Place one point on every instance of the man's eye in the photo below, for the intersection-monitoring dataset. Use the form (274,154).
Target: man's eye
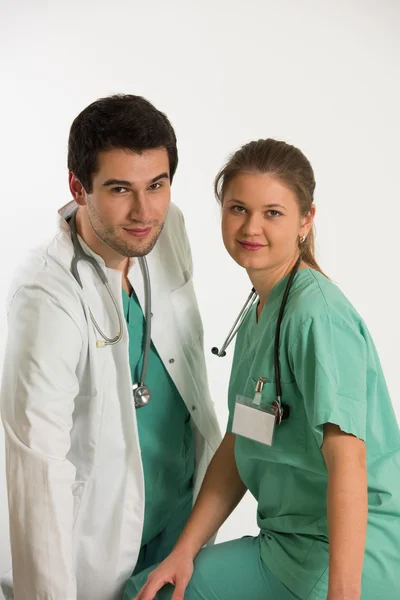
(155,186)
(118,190)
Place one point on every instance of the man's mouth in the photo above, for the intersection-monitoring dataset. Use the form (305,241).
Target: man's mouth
(138,232)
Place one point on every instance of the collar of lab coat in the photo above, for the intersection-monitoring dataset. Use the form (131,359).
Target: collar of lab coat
(64,214)
(158,277)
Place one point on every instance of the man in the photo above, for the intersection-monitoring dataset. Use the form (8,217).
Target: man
(98,488)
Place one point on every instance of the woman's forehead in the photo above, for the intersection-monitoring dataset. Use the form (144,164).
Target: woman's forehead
(259,188)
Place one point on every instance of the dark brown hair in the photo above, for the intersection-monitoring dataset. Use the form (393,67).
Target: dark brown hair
(286,163)
(120,121)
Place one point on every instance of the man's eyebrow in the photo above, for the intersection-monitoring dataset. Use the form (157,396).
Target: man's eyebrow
(125,183)
(161,176)
(120,182)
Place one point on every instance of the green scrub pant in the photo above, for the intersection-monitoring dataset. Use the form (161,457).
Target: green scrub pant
(161,546)
(229,571)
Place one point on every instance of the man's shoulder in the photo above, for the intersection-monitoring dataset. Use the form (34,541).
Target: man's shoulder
(172,251)
(45,266)
(174,231)
(175,217)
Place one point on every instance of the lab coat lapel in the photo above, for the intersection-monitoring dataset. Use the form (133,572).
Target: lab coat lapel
(164,334)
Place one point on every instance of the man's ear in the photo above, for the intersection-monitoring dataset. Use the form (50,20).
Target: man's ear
(77,190)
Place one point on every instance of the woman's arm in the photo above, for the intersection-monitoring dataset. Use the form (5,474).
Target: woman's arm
(220,493)
(347,505)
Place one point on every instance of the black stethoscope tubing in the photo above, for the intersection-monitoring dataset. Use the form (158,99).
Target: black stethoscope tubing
(283,409)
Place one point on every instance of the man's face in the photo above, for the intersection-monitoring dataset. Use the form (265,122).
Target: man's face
(130,198)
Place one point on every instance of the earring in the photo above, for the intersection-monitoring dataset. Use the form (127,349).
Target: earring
(302,239)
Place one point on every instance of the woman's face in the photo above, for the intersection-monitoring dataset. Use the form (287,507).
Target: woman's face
(261,222)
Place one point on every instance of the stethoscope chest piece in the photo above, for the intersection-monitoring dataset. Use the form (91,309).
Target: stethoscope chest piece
(282,411)
(141,394)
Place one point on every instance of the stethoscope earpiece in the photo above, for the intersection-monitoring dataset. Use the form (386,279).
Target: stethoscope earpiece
(217,352)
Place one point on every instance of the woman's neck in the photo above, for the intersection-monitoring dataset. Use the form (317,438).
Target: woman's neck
(264,280)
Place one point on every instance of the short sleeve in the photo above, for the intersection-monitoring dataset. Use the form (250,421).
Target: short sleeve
(329,361)
(230,419)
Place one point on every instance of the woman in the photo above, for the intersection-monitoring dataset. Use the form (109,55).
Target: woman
(328,488)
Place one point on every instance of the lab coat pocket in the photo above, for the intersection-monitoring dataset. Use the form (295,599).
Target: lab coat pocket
(187,315)
(290,434)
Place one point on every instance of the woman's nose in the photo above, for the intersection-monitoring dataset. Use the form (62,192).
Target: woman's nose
(253,225)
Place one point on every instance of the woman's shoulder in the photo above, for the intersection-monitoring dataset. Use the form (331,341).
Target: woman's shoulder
(317,297)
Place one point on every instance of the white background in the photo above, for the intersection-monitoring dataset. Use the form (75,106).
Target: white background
(323,75)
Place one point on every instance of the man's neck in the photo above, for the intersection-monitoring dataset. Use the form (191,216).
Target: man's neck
(126,284)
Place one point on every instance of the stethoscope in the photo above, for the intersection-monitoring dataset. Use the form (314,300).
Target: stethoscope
(141,393)
(283,410)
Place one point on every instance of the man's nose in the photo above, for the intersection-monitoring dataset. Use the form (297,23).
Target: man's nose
(140,208)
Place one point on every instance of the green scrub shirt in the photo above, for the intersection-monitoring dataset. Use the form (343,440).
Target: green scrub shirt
(165,432)
(330,373)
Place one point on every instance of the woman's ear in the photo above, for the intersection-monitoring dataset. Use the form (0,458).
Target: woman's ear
(307,222)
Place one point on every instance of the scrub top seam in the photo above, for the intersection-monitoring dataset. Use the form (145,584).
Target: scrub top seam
(309,596)
(385,454)
(333,319)
(300,334)
(312,273)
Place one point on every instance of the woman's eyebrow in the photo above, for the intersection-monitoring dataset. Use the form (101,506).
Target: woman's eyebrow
(271,205)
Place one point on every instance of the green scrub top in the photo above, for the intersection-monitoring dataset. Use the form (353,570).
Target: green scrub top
(330,373)
(165,431)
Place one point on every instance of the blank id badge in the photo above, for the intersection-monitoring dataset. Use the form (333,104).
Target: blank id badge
(253,420)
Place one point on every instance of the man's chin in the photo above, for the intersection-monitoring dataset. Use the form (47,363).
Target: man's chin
(138,248)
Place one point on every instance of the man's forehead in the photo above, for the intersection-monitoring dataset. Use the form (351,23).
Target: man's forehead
(132,166)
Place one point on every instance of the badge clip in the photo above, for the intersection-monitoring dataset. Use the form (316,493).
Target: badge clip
(258,390)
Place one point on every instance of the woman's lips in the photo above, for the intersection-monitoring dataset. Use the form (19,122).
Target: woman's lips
(138,233)
(251,246)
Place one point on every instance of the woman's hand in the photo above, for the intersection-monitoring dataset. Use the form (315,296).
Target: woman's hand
(176,569)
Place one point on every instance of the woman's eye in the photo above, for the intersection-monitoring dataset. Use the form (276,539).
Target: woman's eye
(238,209)
(273,213)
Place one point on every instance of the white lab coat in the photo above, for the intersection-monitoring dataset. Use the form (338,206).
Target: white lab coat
(74,470)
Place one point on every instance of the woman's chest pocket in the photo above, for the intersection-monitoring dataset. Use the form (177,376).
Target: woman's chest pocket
(289,437)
